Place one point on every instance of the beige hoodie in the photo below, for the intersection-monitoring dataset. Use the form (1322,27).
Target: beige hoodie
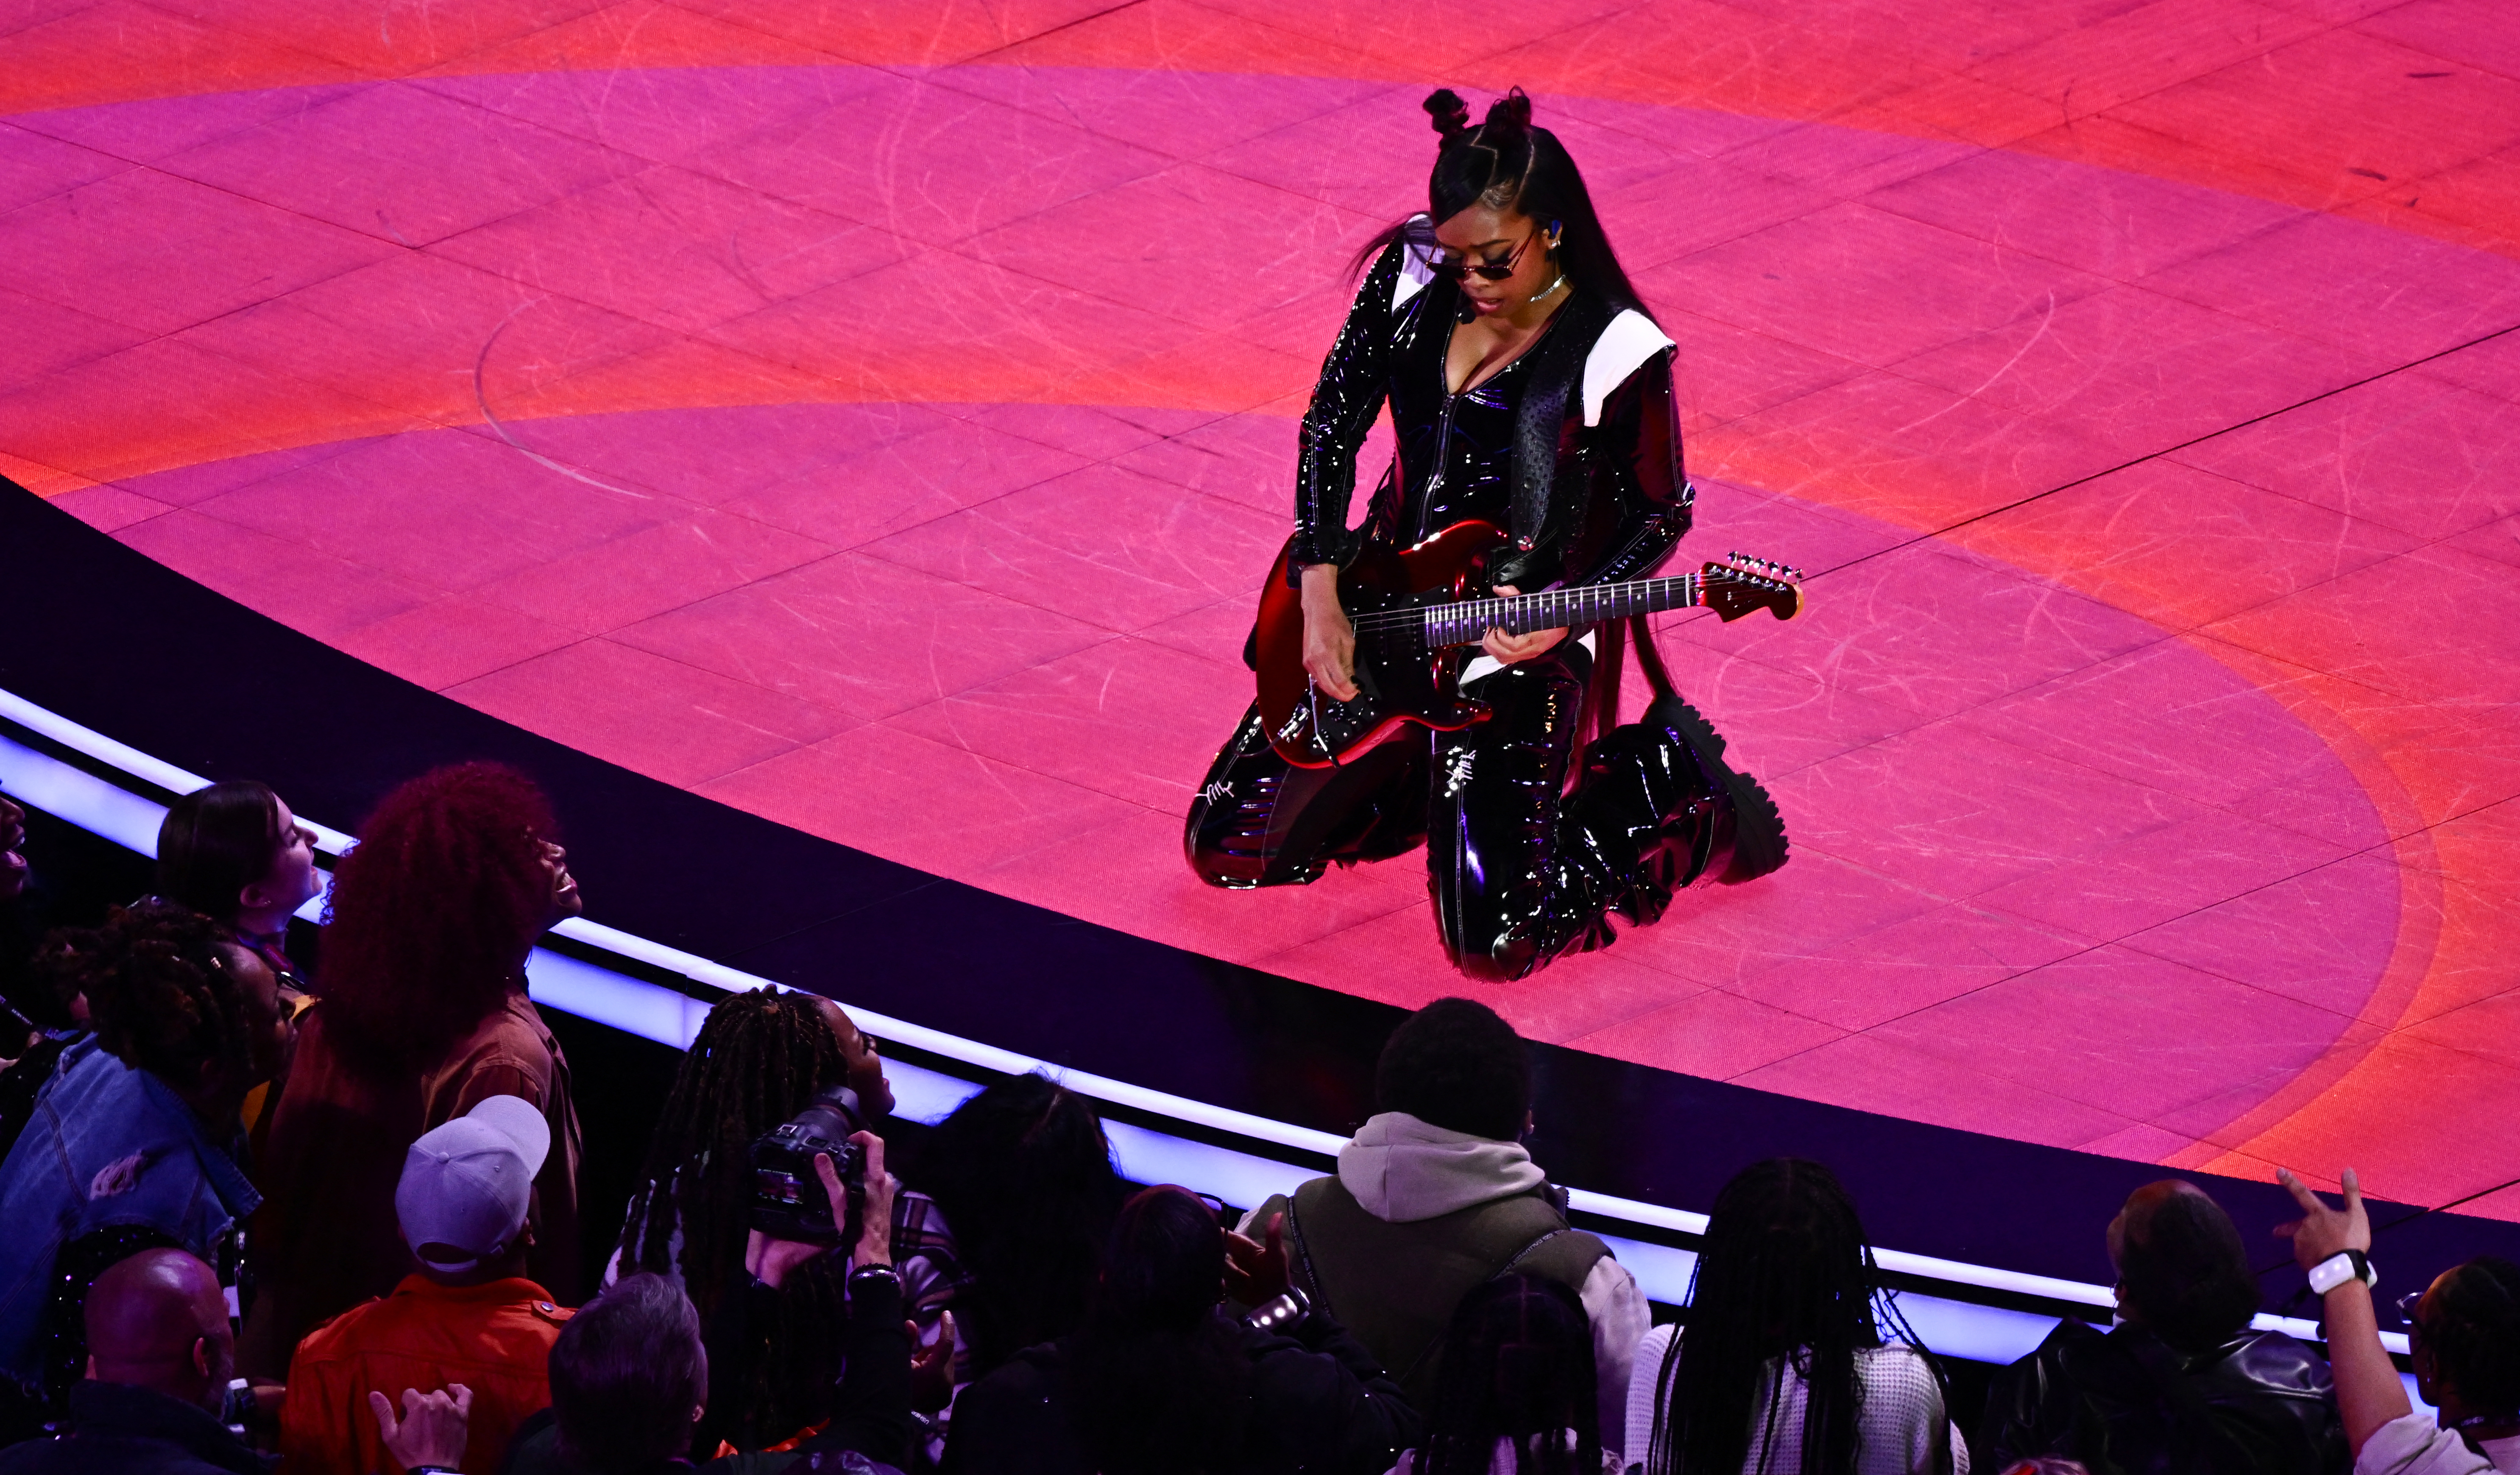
(1403,1170)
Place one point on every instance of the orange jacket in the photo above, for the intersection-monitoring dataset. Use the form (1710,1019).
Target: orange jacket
(494,1338)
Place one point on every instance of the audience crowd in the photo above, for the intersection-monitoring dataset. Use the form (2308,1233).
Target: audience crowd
(251,1217)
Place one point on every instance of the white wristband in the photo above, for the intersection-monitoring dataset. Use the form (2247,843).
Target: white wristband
(2339,1268)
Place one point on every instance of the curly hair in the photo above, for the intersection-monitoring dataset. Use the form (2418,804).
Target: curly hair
(1457,1065)
(432,914)
(161,992)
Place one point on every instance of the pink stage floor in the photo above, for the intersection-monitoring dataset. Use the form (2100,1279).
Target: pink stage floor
(879,419)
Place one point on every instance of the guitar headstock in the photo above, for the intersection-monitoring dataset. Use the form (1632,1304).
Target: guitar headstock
(1742,583)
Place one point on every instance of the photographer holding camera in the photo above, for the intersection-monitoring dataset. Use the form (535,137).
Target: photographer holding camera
(768,1068)
(847,1202)
(634,1383)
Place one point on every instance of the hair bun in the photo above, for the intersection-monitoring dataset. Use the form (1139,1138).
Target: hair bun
(1511,112)
(1449,112)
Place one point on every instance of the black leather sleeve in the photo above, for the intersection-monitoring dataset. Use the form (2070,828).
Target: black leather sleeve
(1346,399)
(1636,467)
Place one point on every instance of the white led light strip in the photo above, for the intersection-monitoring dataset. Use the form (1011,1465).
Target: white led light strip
(653,1011)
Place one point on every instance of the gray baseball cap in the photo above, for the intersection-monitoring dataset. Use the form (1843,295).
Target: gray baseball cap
(466,1186)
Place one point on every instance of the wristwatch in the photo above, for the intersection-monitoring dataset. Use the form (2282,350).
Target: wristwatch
(2341,1267)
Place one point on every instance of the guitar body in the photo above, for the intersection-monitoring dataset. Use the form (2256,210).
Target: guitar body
(1399,680)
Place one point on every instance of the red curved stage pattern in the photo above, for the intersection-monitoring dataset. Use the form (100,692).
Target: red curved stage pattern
(877,416)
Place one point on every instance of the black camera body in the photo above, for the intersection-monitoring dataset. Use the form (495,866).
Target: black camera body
(788,1197)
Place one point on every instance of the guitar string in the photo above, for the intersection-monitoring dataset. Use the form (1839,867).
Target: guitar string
(1583,604)
(1568,602)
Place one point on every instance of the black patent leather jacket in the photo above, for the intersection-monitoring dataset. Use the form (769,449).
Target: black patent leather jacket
(2125,1403)
(1590,503)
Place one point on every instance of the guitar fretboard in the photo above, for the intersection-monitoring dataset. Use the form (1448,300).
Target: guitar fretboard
(1464,623)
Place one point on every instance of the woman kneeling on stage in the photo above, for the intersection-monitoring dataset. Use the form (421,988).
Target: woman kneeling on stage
(1530,390)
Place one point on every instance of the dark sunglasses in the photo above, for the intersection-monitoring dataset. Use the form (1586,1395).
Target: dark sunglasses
(1451,267)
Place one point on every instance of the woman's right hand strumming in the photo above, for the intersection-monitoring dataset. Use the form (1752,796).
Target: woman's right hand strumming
(1329,640)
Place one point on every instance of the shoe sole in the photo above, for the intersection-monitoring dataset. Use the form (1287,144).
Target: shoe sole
(1759,844)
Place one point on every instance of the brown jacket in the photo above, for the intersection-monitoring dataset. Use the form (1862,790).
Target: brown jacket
(327,1238)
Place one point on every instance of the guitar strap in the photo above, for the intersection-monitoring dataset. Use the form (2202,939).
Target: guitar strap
(1607,663)
(1649,658)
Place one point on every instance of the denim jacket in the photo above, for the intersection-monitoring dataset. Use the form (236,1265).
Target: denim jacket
(109,1144)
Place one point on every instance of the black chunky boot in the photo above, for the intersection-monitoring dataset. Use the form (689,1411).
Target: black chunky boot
(1656,810)
(1741,837)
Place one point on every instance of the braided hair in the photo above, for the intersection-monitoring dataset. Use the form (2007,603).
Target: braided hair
(2474,1334)
(1785,1276)
(1506,163)
(1517,1365)
(758,1059)
(161,989)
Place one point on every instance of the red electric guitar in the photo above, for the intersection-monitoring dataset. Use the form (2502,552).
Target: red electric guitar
(1411,615)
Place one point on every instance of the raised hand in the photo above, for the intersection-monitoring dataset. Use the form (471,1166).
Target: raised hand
(2322,1232)
(432,1427)
(932,1367)
(1255,1271)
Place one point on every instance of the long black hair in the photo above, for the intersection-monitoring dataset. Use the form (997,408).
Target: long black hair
(1160,1379)
(1506,163)
(1025,1177)
(1785,1276)
(759,1058)
(1517,1365)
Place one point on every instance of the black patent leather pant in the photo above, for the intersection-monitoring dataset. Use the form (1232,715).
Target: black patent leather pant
(1484,801)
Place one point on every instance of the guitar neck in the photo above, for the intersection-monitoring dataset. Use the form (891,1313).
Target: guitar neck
(1465,622)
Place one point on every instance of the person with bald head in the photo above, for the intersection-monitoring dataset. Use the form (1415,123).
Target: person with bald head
(160,1357)
(2182,1385)
(136,1141)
